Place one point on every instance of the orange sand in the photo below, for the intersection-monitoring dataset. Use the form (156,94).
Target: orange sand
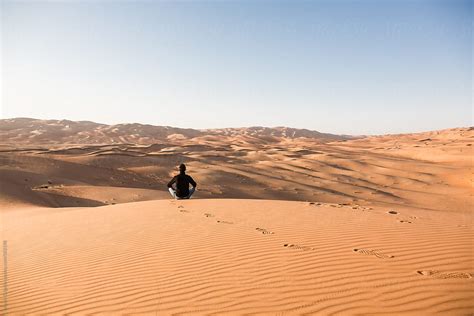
(341,226)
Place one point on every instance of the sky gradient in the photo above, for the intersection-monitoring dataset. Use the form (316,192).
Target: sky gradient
(349,67)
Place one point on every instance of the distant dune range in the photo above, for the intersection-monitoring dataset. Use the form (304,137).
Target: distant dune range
(285,221)
(26,130)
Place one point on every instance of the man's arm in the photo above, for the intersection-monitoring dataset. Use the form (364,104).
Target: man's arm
(170,184)
(193,183)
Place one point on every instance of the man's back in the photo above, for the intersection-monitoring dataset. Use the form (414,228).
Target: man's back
(182,181)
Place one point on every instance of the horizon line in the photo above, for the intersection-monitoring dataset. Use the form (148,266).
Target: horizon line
(239,127)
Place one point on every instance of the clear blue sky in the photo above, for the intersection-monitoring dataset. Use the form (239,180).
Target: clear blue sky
(354,67)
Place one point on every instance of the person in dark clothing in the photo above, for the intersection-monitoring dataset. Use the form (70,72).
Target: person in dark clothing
(182,182)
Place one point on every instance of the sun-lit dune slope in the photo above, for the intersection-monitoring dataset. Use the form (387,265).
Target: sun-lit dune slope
(427,170)
(232,257)
(450,145)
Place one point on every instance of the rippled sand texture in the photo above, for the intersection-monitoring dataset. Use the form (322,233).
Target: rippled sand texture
(236,257)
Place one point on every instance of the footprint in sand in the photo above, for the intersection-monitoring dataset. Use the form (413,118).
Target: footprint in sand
(299,247)
(208,215)
(180,206)
(445,275)
(360,208)
(264,231)
(376,253)
(225,222)
(184,211)
(404,221)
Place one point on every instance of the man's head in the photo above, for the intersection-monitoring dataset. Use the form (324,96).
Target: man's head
(182,167)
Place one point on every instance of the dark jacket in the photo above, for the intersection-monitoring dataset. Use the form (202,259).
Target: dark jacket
(182,181)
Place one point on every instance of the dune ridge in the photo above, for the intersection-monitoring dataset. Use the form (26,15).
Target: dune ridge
(28,130)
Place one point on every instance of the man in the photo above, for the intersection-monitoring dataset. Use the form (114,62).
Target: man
(182,182)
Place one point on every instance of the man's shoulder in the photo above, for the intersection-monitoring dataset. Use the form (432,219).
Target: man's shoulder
(191,180)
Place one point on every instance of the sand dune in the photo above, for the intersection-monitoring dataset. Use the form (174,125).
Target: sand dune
(237,257)
(394,170)
(285,221)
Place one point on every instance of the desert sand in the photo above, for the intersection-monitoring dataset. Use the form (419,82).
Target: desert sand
(285,221)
